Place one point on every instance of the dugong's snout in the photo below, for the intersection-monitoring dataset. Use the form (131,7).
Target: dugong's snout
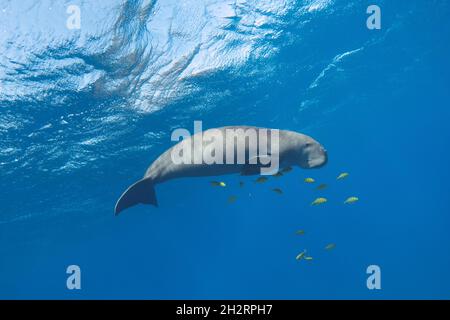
(319,159)
(314,155)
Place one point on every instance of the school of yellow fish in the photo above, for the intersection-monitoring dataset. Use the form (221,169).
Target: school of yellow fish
(316,202)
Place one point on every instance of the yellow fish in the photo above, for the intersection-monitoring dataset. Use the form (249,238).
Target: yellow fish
(343,175)
(300,255)
(351,200)
(232,199)
(278,190)
(322,186)
(300,232)
(286,170)
(261,180)
(308,258)
(330,246)
(278,174)
(309,180)
(218,184)
(319,201)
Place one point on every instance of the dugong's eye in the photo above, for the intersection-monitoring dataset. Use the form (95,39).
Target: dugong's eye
(307,144)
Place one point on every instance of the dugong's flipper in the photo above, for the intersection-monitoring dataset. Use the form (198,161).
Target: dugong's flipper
(142,191)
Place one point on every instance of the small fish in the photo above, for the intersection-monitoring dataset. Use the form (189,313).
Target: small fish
(309,180)
(351,200)
(241,184)
(218,184)
(343,175)
(300,255)
(232,199)
(319,201)
(308,258)
(330,246)
(278,190)
(286,170)
(261,180)
(278,174)
(300,232)
(322,186)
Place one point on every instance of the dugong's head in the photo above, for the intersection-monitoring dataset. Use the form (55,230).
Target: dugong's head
(310,153)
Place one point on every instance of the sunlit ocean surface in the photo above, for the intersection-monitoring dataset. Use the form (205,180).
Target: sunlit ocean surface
(83,113)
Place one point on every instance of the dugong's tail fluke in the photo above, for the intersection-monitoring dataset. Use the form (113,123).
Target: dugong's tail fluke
(142,191)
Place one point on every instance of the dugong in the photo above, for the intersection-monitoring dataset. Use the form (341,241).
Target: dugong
(225,150)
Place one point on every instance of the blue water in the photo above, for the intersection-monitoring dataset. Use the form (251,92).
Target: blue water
(84,112)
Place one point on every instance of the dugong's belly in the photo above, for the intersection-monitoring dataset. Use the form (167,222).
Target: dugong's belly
(193,170)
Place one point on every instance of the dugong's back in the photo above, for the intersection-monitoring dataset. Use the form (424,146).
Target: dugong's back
(202,159)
